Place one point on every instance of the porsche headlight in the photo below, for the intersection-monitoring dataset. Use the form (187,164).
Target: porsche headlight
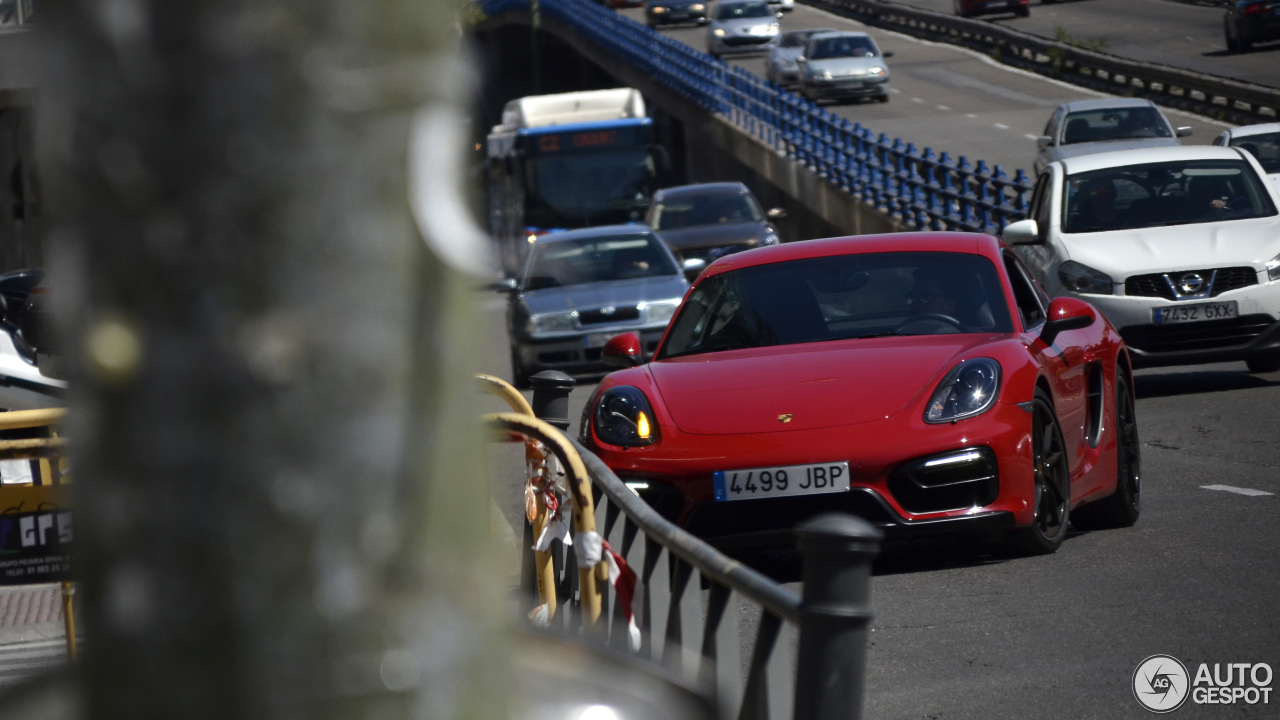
(658,312)
(623,417)
(1273,268)
(553,323)
(969,389)
(1084,279)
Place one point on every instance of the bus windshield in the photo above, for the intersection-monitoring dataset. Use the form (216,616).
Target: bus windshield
(598,188)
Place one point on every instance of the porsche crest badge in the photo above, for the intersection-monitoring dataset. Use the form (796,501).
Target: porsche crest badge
(784,418)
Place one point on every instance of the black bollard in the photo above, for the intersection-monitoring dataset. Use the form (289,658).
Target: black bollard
(551,390)
(835,611)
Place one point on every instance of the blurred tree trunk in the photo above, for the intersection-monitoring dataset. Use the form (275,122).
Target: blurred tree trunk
(277,510)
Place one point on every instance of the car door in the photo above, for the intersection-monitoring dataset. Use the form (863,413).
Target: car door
(1063,362)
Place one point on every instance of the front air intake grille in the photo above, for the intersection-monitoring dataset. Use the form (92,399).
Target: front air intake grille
(615,315)
(1158,284)
(1186,337)
(959,479)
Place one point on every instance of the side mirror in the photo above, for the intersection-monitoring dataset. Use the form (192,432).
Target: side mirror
(801,60)
(779,14)
(693,267)
(1067,313)
(1043,141)
(1185,131)
(505,285)
(776,213)
(888,54)
(1022,232)
(622,351)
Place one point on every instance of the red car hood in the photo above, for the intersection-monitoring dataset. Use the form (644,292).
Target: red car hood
(819,385)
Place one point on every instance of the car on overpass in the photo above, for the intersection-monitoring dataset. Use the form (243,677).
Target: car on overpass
(843,66)
(973,8)
(1262,141)
(707,221)
(742,26)
(579,288)
(1178,246)
(780,66)
(1250,21)
(1104,125)
(919,380)
(675,12)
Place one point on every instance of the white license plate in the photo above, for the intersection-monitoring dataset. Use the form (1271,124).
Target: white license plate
(781,481)
(1194,313)
(595,340)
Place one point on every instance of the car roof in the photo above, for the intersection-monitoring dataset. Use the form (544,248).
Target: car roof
(1104,103)
(839,33)
(1141,156)
(593,233)
(1247,130)
(956,242)
(702,189)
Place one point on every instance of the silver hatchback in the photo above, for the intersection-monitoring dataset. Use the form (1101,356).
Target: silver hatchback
(742,26)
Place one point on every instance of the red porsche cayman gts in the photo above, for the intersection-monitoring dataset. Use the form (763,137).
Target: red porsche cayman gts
(921,381)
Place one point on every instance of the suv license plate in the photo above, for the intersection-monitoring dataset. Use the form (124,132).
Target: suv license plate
(781,481)
(1194,313)
(595,340)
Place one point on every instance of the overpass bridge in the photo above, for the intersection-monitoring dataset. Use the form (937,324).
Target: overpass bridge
(826,165)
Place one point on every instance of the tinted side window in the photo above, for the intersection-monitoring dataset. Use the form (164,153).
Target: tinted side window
(1025,294)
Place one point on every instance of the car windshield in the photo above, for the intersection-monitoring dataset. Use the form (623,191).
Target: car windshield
(1159,194)
(576,262)
(1265,147)
(705,210)
(842,47)
(840,298)
(733,11)
(795,38)
(1114,124)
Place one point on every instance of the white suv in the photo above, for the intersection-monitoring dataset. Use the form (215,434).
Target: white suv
(1178,246)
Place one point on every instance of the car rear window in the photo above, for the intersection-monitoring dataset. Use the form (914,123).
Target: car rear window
(1265,147)
(837,298)
(1114,124)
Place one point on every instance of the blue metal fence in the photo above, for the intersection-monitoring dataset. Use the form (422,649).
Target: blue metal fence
(918,188)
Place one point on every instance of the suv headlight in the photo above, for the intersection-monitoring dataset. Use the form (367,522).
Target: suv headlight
(623,417)
(658,312)
(553,323)
(1084,279)
(969,389)
(1273,268)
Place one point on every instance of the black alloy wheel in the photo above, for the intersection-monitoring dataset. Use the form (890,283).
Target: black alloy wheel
(1052,491)
(1121,508)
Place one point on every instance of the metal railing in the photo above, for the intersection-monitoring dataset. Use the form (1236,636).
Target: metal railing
(916,187)
(806,656)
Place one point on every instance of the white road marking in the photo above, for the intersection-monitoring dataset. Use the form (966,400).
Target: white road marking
(1029,136)
(1002,126)
(1239,491)
(916,100)
(943,108)
(970,115)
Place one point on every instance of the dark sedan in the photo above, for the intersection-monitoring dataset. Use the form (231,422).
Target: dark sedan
(707,221)
(581,287)
(675,12)
(1251,21)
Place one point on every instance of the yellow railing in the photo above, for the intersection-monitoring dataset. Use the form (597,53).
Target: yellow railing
(47,488)
(543,440)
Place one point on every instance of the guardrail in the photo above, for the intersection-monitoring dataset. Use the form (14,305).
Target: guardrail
(1231,100)
(657,611)
(916,187)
